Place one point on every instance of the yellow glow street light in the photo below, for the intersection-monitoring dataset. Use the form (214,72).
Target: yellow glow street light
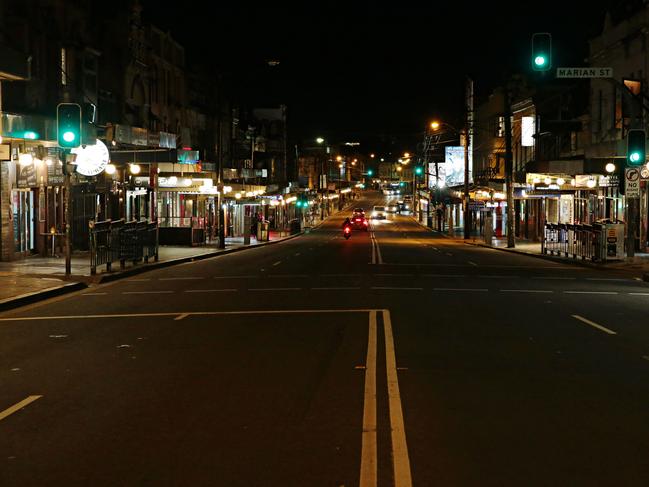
(406,155)
(372,156)
(398,168)
(339,158)
(434,125)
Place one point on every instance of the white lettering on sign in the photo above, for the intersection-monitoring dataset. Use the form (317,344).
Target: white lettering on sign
(584,72)
(91,159)
(632,183)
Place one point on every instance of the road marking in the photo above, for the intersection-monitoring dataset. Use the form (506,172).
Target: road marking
(94,294)
(190,313)
(340,275)
(524,291)
(211,290)
(593,324)
(287,276)
(368,444)
(606,279)
(275,289)
(400,459)
(148,292)
(639,294)
(181,317)
(235,277)
(179,278)
(277,263)
(556,278)
(392,275)
(472,263)
(138,280)
(443,275)
(590,292)
(334,288)
(451,255)
(18,406)
(458,289)
(398,288)
(498,277)
(297,254)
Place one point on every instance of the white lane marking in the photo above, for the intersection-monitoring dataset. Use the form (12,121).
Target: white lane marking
(443,275)
(340,275)
(450,254)
(148,292)
(180,278)
(297,254)
(58,336)
(368,443)
(181,317)
(400,459)
(593,324)
(277,263)
(524,291)
(94,294)
(334,288)
(590,292)
(190,313)
(458,289)
(275,289)
(472,263)
(607,279)
(555,278)
(138,280)
(288,276)
(497,277)
(392,275)
(639,294)
(235,277)
(398,288)
(211,290)
(18,406)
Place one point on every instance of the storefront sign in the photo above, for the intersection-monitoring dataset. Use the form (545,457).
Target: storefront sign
(91,159)
(26,175)
(5,152)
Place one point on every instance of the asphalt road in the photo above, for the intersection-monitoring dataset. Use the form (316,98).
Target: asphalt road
(398,357)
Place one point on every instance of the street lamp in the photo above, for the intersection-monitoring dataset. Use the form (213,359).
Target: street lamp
(319,140)
(435,125)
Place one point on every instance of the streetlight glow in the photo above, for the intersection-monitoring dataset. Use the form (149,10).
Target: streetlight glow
(319,140)
(434,125)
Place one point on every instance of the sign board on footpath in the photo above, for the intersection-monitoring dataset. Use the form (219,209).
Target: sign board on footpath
(632,182)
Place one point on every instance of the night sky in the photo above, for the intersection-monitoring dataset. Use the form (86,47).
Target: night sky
(365,71)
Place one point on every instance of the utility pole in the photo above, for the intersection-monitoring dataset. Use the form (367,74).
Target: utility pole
(220,212)
(509,168)
(467,140)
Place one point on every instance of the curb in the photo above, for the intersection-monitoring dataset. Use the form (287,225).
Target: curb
(33,297)
(104,278)
(441,234)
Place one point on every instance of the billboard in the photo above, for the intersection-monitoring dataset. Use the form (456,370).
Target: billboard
(436,174)
(455,166)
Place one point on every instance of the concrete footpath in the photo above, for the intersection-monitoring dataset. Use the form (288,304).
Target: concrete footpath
(37,278)
(638,267)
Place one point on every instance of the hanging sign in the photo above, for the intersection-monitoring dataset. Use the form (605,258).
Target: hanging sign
(91,159)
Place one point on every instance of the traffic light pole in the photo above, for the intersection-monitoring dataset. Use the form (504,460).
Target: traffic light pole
(67,199)
(509,170)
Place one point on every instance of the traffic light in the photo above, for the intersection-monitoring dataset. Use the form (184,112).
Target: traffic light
(68,124)
(542,51)
(370,172)
(635,147)
(419,170)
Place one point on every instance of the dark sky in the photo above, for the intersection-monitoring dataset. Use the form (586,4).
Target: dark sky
(362,70)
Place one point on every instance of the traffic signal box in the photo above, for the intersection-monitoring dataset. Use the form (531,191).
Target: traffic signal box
(419,170)
(68,124)
(542,51)
(635,147)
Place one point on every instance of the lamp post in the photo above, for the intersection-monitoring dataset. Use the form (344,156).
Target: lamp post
(435,126)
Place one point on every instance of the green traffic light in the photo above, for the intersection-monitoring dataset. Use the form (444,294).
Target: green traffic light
(370,172)
(540,60)
(69,136)
(634,157)
(418,170)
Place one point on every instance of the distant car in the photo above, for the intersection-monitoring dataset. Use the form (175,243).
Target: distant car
(378,213)
(360,222)
(358,211)
(392,207)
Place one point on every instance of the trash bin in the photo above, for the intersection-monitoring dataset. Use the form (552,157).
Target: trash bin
(295,226)
(263,231)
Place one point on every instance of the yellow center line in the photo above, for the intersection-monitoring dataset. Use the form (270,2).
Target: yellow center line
(18,406)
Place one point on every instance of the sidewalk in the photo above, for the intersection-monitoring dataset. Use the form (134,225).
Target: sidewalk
(36,278)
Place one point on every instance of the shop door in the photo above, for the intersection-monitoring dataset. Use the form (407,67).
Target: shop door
(84,209)
(23,216)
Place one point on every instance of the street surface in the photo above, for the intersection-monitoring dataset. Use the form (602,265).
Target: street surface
(398,357)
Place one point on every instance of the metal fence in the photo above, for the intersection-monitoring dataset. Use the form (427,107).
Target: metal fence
(572,240)
(120,241)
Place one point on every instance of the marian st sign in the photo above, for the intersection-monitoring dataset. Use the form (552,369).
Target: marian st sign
(585,72)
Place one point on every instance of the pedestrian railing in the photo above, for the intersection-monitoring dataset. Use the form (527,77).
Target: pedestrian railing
(572,240)
(120,241)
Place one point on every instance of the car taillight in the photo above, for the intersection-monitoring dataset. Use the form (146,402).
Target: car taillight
(365,223)
(347,230)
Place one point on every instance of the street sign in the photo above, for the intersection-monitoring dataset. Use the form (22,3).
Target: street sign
(632,182)
(584,72)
